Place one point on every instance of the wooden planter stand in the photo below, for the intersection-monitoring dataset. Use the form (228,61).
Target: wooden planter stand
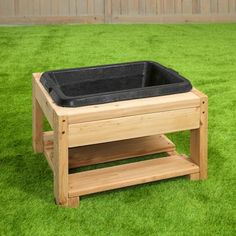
(114,131)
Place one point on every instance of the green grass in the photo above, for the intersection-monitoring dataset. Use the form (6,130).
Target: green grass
(206,54)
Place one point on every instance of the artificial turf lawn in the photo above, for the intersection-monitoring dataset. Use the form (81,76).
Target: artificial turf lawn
(206,54)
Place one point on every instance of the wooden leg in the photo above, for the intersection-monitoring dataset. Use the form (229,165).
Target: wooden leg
(73,202)
(198,140)
(194,176)
(37,124)
(61,170)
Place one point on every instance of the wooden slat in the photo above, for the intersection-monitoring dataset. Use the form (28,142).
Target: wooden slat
(124,7)
(169,6)
(176,18)
(72,7)
(214,6)
(45,8)
(223,6)
(196,6)
(7,8)
(131,107)
(178,7)
(91,9)
(151,7)
(35,8)
(83,19)
(82,8)
(108,11)
(99,180)
(16,8)
(121,19)
(160,7)
(187,6)
(63,8)
(105,152)
(55,8)
(99,7)
(116,8)
(23,8)
(119,150)
(205,7)
(133,6)
(132,126)
(232,6)
(142,7)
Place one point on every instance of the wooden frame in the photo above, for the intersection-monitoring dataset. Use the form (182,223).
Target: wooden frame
(114,131)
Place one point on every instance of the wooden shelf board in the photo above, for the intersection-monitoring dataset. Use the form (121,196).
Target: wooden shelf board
(99,180)
(118,150)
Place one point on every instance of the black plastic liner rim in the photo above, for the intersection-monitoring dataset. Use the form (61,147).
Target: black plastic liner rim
(128,94)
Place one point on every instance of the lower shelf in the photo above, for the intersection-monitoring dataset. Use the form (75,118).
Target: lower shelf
(99,180)
(106,152)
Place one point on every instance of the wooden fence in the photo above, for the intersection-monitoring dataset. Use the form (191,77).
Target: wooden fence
(116,11)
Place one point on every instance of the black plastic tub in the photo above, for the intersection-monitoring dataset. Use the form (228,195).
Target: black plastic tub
(110,83)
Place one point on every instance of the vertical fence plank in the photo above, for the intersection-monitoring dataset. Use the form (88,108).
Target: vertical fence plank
(178,6)
(82,8)
(196,7)
(133,7)
(169,6)
(232,6)
(55,8)
(63,9)
(36,7)
(45,7)
(151,7)
(116,8)
(160,7)
(205,7)
(142,7)
(90,7)
(7,8)
(72,7)
(23,8)
(214,6)
(99,7)
(187,6)
(223,6)
(124,7)
(32,10)
(108,11)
